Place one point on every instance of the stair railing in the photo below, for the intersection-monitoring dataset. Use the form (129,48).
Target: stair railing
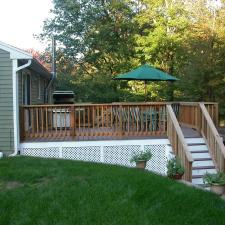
(212,137)
(178,143)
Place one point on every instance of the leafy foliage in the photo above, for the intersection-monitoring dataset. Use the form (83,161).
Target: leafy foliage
(213,179)
(98,39)
(174,167)
(142,156)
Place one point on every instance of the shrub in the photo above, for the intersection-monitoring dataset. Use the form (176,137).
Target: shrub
(174,167)
(142,156)
(214,178)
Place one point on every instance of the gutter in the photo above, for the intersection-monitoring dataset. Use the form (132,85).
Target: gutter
(15,103)
(53,71)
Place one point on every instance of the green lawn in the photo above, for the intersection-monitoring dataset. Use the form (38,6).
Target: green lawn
(57,192)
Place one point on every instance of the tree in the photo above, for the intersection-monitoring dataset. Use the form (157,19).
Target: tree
(204,73)
(95,36)
(163,33)
(98,39)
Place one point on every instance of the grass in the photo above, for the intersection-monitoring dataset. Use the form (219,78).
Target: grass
(57,192)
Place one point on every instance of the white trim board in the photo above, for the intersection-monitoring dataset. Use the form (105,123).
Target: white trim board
(15,53)
(94,143)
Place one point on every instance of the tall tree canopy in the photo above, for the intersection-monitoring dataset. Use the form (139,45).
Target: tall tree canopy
(98,39)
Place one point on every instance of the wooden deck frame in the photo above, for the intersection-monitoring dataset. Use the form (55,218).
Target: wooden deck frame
(72,122)
(125,121)
(120,120)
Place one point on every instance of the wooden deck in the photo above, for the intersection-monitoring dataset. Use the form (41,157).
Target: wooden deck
(190,132)
(92,122)
(187,132)
(127,121)
(89,134)
(115,121)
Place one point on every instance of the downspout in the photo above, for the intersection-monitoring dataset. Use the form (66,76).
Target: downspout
(53,71)
(16,69)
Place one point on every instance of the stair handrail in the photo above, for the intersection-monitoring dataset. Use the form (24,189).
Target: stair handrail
(178,143)
(212,138)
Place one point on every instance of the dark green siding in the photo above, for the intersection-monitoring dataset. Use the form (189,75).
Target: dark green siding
(6,103)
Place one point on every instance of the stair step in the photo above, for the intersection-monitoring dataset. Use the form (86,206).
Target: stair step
(202,159)
(199,151)
(194,140)
(201,172)
(203,167)
(197,181)
(196,176)
(198,147)
(203,163)
(194,144)
(201,155)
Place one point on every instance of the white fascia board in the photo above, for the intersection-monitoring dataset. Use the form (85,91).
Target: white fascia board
(94,143)
(15,53)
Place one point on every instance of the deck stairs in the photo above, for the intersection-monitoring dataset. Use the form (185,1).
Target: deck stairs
(202,159)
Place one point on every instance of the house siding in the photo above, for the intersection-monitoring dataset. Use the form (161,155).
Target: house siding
(6,104)
(35,98)
(34,77)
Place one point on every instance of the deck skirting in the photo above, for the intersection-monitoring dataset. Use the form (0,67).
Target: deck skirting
(118,152)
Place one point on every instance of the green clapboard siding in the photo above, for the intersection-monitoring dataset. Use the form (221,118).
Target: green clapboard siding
(35,78)
(6,103)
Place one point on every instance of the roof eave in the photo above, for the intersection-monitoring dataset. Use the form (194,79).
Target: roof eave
(15,53)
(41,69)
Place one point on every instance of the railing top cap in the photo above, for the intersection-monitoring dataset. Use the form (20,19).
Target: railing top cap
(118,104)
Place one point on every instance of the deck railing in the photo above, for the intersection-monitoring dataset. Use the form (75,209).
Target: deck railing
(204,118)
(190,114)
(178,143)
(92,120)
(212,137)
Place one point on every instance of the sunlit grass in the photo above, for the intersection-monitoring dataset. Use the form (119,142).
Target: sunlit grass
(59,192)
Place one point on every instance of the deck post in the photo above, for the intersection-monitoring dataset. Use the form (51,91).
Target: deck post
(199,119)
(216,121)
(72,121)
(121,120)
(22,124)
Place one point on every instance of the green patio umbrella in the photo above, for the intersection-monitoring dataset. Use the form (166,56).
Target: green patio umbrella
(146,73)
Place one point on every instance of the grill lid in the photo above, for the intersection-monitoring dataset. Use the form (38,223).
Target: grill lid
(63,97)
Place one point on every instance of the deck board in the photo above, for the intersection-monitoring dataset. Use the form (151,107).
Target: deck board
(188,132)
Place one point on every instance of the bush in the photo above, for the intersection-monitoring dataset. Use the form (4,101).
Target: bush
(174,167)
(215,178)
(142,156)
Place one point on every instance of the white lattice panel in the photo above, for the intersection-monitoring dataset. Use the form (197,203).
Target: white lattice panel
(119,154)
(52,152)
(159,158)
(88,153)
(111,152)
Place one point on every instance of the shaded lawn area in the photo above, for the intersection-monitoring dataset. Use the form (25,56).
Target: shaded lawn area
(37,191)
